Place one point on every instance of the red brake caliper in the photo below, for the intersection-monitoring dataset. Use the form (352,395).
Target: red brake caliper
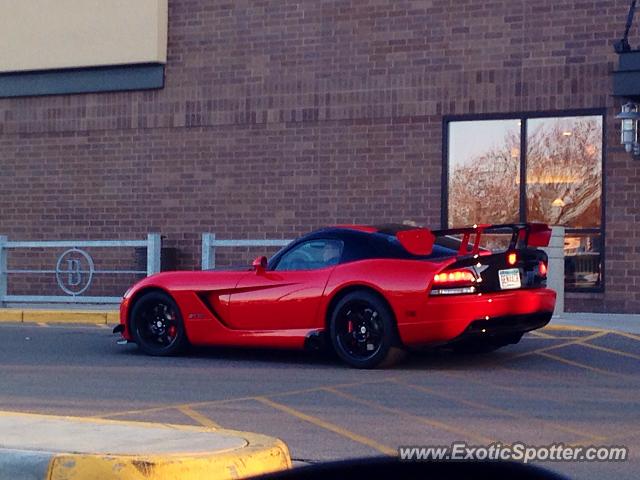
(172,331)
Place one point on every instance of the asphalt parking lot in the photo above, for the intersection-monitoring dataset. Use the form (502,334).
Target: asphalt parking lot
(576,386)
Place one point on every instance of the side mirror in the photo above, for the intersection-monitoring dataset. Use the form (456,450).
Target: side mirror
(260,264)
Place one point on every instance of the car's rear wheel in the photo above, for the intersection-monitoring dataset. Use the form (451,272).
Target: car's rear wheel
(363,331)
(157,326)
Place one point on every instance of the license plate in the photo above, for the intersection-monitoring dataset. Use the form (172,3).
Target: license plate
(509,278)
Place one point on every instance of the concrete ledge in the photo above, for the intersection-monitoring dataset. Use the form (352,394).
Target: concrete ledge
(69,448)
(15,315)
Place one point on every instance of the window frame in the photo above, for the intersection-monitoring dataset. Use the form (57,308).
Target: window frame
(524,117)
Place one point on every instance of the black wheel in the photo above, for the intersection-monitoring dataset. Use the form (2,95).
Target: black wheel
(157,326)
(363,331)
(487,345)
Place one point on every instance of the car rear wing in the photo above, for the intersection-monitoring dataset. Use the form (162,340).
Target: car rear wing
(522,235)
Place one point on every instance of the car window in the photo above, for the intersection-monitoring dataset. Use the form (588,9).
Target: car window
(311,255)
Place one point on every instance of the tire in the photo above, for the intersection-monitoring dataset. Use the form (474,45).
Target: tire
(156,325)
(363,331)
(478,347)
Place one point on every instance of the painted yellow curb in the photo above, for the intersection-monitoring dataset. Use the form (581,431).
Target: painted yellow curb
(14,315)
(10,315)
(113,317)
(262,454)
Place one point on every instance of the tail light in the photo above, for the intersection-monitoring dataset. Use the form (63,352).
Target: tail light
(512,258)
(542,269)
(454,282)
(455,277)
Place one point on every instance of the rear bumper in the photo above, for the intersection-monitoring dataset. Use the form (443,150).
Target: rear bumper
(505,325)
(445,319)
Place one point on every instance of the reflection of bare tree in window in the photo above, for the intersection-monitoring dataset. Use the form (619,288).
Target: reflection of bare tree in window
(564,172)
(563,177)
(486,189)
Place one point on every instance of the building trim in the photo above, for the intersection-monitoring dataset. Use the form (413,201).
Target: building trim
(82,80)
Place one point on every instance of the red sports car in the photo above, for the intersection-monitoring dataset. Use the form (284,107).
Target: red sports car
(369,292)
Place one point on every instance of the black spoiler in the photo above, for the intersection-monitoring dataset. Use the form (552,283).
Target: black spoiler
(529,234)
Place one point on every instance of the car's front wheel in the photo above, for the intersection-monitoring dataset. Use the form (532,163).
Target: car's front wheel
(157,326)
(363,331)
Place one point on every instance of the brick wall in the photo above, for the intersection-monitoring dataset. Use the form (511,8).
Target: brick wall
(281,116)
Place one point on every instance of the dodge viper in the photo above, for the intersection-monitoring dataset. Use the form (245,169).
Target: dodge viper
(370,293)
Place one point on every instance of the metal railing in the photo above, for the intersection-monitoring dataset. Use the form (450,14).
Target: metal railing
(77,277)
(210,244)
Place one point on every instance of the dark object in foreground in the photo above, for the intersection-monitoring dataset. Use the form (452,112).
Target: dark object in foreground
(393,468)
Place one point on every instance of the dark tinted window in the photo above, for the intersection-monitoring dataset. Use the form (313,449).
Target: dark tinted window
(311,255)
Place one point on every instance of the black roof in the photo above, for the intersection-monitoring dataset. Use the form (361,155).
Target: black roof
(367,242)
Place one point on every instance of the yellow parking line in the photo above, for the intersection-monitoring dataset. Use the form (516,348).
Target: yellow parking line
(563,337)
(329,426)
(561,345)
(576,328)
(568,328)
(235,399)
(497,386)
(100,421)
(540,334)
(198,417)
(502,411)
(627,335)
(610,438)
(611,350)
(618,436)
(583,366)
(416,418)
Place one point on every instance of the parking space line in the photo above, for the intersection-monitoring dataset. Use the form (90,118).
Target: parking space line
(540,334)
(235,399)
(328,426)
(583,366)
(621,435)
(576,328)
(42,324)
(561,345)
(610,438)
(627,335)
(416,418)
(563,337)
(198,417)
(498,386)
(611,350)
(502,411)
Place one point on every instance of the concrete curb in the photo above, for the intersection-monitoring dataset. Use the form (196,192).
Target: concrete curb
(237,454)
(629,323)
(102,317)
